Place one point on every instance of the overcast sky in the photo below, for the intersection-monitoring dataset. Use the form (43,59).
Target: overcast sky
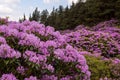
(14,9)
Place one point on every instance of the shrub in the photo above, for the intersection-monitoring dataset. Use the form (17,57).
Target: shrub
(103,39)
(99,68)
(29,50)
(115,69)
(3,21)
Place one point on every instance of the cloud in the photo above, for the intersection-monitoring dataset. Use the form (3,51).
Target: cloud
(70,1)
(7,7)
(50,1)
(54,1)
(11,1)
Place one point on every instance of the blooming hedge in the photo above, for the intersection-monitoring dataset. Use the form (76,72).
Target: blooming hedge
(32,51)
(103,39)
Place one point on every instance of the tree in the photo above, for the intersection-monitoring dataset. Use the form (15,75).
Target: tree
(44,16)
(30,17)
(51,20)
(23,19)
(35,15)
(99,10)
(59,18)
(117,9)
(88,13)
(65,21)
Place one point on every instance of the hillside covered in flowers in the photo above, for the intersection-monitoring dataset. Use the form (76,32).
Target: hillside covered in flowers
(33,51)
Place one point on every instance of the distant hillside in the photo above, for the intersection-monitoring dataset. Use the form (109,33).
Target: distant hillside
(88,13)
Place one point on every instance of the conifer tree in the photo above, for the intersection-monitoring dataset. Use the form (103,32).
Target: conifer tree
(44,16)
(35,15)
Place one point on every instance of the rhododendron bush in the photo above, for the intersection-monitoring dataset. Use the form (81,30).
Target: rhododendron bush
(32,51)
(103,39)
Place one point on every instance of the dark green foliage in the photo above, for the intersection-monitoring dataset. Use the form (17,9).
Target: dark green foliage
(35,15)
(99,10)
(23,19)
(44,16)
(117,9)
(88,13)
(51,18)
(3,21)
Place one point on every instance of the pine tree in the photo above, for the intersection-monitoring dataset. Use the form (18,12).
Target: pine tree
(51,20)
(88,13)
(60,18)
(44,16)
(24,17)
(117,10)
(35,15)
(65,21)
(30,17)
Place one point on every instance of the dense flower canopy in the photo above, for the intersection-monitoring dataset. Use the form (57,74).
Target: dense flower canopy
(102,39)
(35,51)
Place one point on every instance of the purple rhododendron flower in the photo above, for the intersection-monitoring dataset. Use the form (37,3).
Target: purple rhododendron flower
(8,77)
(31,78)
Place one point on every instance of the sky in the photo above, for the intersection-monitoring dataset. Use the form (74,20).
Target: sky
(14,9)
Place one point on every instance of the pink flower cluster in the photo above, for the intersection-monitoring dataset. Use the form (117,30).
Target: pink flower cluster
(39,49)
(102,39)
